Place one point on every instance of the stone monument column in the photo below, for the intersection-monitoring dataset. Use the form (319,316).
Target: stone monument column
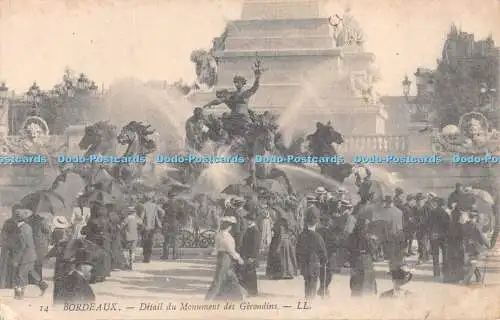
(308,77)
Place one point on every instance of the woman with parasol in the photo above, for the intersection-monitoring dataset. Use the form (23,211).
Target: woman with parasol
(225,285)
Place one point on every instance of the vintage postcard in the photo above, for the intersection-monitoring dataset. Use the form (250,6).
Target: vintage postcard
(249,159)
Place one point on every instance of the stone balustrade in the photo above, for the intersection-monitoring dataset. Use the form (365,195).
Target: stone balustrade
(373,144)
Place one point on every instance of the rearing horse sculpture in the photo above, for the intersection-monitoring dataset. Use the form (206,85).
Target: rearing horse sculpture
(320,144)
(136,136)
(99,139)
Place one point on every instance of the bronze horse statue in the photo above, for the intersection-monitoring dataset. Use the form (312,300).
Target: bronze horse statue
(100,139)
(320,144)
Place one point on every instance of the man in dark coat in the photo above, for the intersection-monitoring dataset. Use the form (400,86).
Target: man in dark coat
(455,196)
(96,232)
(409,223)
(41,238)
(249,252)
(311,252)
(76,287)
(332,239)
(422,213)
(439,222)
(25,257)
(170,226)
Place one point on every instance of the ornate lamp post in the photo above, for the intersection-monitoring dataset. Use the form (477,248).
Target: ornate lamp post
(34,96)
(4,92)
(93,88)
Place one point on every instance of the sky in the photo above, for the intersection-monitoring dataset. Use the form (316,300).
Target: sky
(152,39)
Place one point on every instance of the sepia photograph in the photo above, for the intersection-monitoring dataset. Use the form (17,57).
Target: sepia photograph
(249,159)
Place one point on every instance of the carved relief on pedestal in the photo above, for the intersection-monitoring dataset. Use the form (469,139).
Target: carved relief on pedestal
(361,84)
(35,138)
(471,136)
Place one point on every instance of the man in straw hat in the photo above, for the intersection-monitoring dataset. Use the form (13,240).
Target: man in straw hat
(25,256)
(311,253)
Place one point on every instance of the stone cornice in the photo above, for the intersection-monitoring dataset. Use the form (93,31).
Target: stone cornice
(281,53)
(279,21)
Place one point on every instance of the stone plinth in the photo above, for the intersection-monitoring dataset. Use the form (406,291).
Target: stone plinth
(307,74)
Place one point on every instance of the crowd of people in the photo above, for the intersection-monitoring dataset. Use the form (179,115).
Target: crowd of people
(317,236)
(330,233)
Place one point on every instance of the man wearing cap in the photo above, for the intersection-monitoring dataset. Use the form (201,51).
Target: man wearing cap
(25,256)
(311,253)
(249,252)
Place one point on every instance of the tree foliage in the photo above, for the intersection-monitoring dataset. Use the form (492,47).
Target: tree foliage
(464,69)
(70,102)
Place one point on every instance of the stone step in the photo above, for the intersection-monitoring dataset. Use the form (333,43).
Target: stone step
(270,28)
(279,43)
(279,9)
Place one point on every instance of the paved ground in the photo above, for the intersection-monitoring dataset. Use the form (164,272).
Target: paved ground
(185,281)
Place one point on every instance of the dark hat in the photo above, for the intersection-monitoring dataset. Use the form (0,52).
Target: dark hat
(399,191)
(82,257)
(312,216)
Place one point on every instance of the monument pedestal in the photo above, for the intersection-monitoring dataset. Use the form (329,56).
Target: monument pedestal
(307,75)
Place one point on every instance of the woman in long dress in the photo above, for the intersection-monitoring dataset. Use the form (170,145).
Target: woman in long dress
(225,285)
(362,247)
(281,261)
